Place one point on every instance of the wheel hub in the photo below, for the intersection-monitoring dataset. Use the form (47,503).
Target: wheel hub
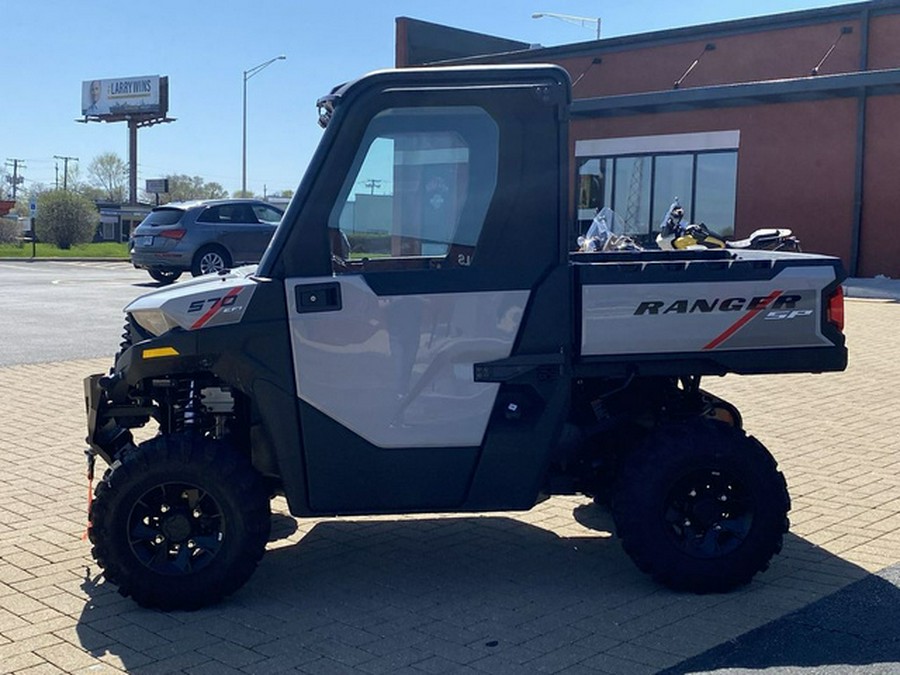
(175,529)
(707,513)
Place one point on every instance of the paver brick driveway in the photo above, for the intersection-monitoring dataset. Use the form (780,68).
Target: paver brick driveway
(545,591)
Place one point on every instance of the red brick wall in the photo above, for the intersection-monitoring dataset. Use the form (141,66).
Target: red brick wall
(766,55)
(795,163)
(880,238)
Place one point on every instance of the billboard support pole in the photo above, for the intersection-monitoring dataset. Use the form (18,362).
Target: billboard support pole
(132,161)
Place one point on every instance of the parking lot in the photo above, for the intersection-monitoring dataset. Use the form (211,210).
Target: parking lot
(545,591)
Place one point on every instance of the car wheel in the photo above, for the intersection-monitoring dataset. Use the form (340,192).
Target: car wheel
(210,259)
(165,276)
(179,522)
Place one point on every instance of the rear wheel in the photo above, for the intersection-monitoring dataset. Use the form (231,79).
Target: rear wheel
(701,507)
(165,276)
(180,522)
(210,259)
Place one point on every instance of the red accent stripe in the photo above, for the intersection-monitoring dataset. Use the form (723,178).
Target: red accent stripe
(743,320)
(199,323)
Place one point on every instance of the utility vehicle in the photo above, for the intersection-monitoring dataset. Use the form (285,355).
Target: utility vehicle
(476,363)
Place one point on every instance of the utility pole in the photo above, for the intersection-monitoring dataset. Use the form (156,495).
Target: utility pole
(65,160)
(15,164)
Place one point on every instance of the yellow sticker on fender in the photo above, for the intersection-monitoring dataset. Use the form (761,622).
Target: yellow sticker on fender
(158,352)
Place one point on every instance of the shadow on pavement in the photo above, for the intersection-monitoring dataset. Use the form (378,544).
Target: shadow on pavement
(857,626)
(495,594)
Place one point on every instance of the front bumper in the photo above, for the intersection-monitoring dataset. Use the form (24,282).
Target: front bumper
(105,436)
(114,404)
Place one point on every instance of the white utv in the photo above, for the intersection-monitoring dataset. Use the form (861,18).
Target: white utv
(465,361)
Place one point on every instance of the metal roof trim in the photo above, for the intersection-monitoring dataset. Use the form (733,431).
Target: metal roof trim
(741,94)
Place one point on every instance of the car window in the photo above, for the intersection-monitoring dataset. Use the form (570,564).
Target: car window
(211,215)
(163,217)
(227,213)
(267,214)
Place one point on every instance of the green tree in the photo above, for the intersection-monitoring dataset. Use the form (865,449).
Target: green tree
(184,188)
(65,218)
(109,173)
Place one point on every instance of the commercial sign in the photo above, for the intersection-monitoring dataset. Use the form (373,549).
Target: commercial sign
(156,185)
(122,96)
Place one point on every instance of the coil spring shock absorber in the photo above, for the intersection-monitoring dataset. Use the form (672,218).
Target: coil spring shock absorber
(186,407)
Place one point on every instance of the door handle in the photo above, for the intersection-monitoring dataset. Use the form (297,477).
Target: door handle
(318,297)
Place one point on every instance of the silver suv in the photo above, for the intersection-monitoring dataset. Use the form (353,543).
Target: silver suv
(202,236)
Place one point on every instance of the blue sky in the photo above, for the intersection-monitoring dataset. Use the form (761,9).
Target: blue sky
(50,46)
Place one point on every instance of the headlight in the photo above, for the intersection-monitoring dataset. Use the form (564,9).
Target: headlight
(153,320)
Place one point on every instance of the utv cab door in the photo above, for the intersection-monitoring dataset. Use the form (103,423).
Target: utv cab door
(425,240)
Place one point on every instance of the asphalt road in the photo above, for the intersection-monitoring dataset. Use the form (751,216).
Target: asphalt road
(56,311)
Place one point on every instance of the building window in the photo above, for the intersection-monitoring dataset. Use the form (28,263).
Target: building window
(699,169)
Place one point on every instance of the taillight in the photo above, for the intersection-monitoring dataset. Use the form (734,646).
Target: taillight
(172,234)
(836,308)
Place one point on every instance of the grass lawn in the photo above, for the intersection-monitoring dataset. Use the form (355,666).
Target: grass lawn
(105,249)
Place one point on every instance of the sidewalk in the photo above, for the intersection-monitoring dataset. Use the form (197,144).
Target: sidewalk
(547,591)
(881,288)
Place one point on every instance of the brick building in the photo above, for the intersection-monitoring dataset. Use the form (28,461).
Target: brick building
(785,120)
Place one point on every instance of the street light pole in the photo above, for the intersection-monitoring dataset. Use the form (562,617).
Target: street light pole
(579,20)
(247,75)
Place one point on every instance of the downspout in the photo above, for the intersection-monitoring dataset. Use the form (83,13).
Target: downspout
(858,183)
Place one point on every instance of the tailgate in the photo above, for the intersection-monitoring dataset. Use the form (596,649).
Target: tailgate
(755,312)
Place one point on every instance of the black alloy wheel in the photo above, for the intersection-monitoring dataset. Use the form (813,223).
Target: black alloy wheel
(700,506)
(176,528)
(180,522)
(708,513)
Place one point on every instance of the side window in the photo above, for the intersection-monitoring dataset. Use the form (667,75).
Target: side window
(210,215)
(238,213)
(266,214)
(418,190)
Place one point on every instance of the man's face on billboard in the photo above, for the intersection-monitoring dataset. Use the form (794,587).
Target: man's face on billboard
(95,91)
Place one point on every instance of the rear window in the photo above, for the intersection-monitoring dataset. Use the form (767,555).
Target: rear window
(163,217)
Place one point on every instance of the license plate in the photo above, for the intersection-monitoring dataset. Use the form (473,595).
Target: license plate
(144,241)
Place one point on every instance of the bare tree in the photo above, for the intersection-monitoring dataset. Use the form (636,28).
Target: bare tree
(109,173)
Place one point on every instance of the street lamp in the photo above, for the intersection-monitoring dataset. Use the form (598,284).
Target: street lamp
(247,75)
(578,20)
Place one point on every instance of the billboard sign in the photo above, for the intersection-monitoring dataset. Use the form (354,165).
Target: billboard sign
(122,96)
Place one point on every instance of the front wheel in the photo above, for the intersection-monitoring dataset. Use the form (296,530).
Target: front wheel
(180,522)
(210,259)
(701,507)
